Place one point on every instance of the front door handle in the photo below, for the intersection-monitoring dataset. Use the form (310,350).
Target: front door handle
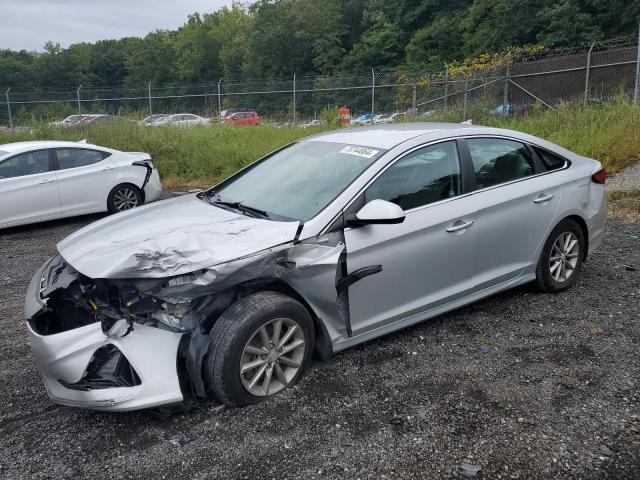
(106,169)
(543,198)
(46,180)
(462,226)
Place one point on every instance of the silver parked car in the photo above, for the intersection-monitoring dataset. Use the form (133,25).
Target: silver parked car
(327,243)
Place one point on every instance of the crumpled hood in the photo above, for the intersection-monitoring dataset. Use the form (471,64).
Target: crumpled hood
(170,237)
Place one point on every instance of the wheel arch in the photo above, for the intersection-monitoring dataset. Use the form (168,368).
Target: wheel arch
(585,232)
(323,348)
(125,182)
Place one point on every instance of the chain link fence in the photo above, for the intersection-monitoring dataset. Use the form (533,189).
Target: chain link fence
(588,74)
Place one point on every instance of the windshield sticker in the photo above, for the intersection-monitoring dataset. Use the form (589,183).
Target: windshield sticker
(365,152)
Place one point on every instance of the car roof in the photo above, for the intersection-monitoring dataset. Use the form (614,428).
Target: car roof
(385,136)
(32,145)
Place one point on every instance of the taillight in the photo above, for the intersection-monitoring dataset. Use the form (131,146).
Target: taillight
(600,176)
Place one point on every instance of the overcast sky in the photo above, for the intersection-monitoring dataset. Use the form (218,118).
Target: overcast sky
(28,24)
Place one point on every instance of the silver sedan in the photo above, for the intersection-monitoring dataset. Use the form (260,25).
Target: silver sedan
(327,243)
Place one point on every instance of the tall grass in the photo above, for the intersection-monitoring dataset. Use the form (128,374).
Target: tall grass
(206,154)
(609,133)
(200,155)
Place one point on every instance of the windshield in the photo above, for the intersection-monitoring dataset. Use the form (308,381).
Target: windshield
(299,181)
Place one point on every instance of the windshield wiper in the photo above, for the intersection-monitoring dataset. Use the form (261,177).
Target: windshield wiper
(239,206)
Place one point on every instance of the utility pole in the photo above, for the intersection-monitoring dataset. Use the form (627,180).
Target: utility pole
(9,107)
(505,94)
(373,92)
(637,85)
(585,101)
(219,99)
(294,98)
(78,99)
(446,87)
(149,94)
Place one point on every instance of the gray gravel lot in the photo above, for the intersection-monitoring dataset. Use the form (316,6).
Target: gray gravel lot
(522,385)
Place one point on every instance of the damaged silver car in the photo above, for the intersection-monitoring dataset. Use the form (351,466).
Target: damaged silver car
(331,241)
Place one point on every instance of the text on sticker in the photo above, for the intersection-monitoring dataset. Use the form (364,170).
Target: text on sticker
(365,152)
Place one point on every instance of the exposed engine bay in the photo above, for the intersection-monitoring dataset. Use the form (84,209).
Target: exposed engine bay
(185,305)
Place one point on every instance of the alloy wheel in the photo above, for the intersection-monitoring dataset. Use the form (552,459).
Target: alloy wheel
(125,198)
(272,357)
(564,257)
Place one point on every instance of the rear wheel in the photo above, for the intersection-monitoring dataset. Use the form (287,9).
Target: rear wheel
(124,197)
(259,346)
(561,257)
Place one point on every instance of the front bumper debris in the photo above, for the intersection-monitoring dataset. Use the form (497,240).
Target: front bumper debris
(84,367)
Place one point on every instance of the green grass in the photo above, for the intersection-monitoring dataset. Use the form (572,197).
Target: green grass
(609,133)
(196,156)
(201,156)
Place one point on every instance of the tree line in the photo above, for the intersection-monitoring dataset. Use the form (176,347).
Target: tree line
(277,38)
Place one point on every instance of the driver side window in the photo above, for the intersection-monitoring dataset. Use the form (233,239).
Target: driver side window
(424,176)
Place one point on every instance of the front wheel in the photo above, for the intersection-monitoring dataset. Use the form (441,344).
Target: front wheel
(561,257)
(259,346)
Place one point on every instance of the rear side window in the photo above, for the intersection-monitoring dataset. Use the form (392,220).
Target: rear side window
(78,157)
(424,176)
(550,160)
(497,161)
(23,164)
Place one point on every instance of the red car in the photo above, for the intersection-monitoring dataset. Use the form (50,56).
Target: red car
(242,118)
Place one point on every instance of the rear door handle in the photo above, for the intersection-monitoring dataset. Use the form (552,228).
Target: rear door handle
(543,198)
(46,180)
(462,226)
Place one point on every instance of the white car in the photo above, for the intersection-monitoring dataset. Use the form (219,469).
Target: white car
(181,120)
(44,180)
(68,122)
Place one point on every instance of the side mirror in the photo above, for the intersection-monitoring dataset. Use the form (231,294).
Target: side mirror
(377,212)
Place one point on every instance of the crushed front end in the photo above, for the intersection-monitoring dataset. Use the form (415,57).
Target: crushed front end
(105,344)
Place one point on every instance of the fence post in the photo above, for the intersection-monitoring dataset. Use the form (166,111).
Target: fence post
(637,85)
(219,99)
(149,95)
(413,103)
(373,92)
(505,93)
(464,109)
(586,78)
(294,98)
(9,107)
(78,99)
(446,87)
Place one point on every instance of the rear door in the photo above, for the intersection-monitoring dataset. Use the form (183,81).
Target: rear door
(28,189)
(516,205)
(85,177)
(425,261)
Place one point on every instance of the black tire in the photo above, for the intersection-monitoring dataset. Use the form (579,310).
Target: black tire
(232,332)
(127,189)
(545,281)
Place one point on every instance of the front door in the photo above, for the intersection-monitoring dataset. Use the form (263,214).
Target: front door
(28,189)
(428,259)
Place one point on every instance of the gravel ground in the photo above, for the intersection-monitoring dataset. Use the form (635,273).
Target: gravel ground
(627,179)
(521,385)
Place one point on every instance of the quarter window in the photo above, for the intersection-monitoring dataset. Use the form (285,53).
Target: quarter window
(550,161)
(497,161)
(425,176)
(25,164)
(78,157)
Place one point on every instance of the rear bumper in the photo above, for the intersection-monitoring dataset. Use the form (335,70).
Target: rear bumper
(153,188)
